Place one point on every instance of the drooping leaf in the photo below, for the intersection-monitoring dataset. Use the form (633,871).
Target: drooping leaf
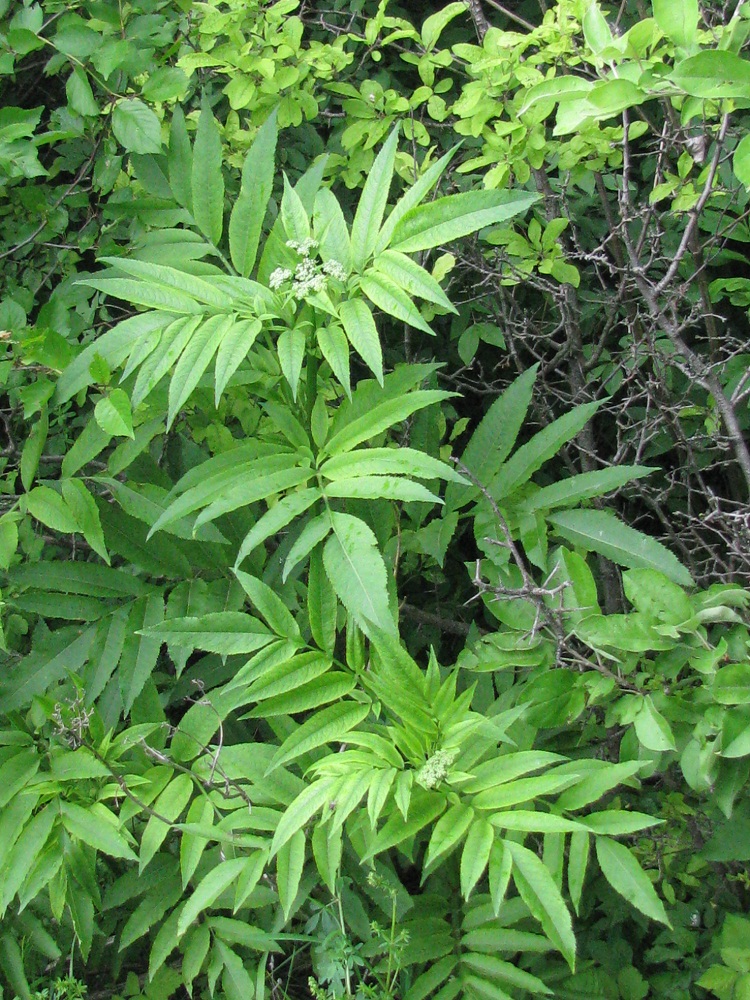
(327,726)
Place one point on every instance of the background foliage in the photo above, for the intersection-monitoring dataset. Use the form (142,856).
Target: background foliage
(373,499)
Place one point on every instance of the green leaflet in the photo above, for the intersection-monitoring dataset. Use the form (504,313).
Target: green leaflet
(372,202)
(382,416)
(538,890)
(327,726)
(446,219)
(208,891)
(223,632)
(600,531)
(207,182)
(247,215)
(627,878)
(393,300)
(357,572)
(360,328)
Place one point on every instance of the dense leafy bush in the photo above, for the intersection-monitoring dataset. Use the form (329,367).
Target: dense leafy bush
(373,489)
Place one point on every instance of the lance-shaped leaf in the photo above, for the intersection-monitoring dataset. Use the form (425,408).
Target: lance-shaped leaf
(235,344)
(600,531)
(446,219)
(327,726)
(393,300)
(363,334)
(180,160)
(357,572)
(625,875)
(388,461)
(207,179)
(255,191)
(414,280)
(539,891)
(380,488)
(335,349)
(171,278)
(413,196)
(208,891)
(194,361)
(224,632)
(277,518)
(372,202)
(379,417)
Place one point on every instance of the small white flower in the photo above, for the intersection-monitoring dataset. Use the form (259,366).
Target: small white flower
(303,248)
(278,277)
(335,270)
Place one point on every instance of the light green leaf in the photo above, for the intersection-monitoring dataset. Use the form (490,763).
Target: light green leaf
(142,294)
(363,335)
(627,878)
(168,805)
(180,160)
(446,219)
(291,348)
(208,891)
(224,632)
(741,161)
(476,854)
(434,25)
(236,981)
(83,508)
(447,833)
(425,807)
(294,215)
(136,127)
(413,196)
(192,845)
(388,461)
(249,210)
(194,361)
(331,231)
(235,344)
(380,417)
(578,857)
(678,19)
(372,202)
(596,31)
(47,506)
(393,300)
(543,446)
(380,488)
(569,492)
(357,572)
(270,605)
(32,450)
(501,866)
(171,278)
(539,891)
(313,532)
(327,726)
(97,827)
(600,531)
(335,349)
(113,414)
(290,860)
(652,729)
(301,810)
(207,180)
(599,780)
(414,280)
(277,518)
(713,74)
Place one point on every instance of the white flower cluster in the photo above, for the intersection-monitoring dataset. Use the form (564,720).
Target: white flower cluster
(303,248)
(435,769)
(308,276)
(278,277)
